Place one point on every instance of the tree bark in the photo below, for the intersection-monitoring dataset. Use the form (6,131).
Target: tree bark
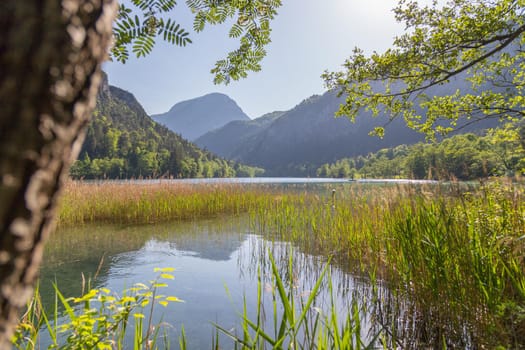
(50,57)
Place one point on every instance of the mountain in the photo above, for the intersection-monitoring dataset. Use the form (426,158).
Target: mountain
(297,142)
(309,135)
(122,141)
(225,141)
(195,117)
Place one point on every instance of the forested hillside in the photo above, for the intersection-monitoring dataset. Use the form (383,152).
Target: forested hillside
(229,141)
(298,141)
(122,141)
(463,157)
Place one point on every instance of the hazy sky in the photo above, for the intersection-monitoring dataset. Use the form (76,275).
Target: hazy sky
(309,36)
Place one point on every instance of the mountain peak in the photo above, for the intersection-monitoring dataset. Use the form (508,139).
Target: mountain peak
(216,95)
(195,117)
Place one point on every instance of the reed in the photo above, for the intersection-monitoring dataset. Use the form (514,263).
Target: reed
(294,320)
(133,203)
(452,258)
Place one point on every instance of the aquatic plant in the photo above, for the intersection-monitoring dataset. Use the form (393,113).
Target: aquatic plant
(452,258)
(296,322)
(140,203)
(98,319)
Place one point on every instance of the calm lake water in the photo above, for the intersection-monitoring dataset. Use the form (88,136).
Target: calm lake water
(308,181)
(216,264)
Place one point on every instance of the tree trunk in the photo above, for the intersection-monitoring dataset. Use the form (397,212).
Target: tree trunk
(50,57)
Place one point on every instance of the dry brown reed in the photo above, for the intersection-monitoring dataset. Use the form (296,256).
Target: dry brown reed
(129,202)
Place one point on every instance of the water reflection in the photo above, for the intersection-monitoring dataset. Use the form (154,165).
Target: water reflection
(216,261)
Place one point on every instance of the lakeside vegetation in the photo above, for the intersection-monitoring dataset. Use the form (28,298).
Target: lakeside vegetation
(136,203)
(450,256)
(468,156)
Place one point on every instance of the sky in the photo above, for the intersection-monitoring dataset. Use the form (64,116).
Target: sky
(308,37)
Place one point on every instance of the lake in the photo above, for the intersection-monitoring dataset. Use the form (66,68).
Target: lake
(427,243)
(216,264)
(312,181)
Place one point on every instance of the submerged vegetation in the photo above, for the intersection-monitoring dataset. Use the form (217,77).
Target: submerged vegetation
(446,261)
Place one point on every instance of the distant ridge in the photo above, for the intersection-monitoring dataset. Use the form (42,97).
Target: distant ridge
(298,141)
(193,118)
(226,140)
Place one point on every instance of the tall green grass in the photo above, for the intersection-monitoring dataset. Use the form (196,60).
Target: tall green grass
(452,259)
(104,319)
(294,320)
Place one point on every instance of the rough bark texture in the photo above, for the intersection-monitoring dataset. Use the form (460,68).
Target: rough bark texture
(50,57)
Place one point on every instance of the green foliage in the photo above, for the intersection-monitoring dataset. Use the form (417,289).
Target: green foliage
(297,322)
(122,142)
(449,258)
(248,171)
(445,258)
(138,26)
(480,41)
(344,168)
(458,253)
(141,22)
(464,157)
(99,319)
(508,145)
(251,26)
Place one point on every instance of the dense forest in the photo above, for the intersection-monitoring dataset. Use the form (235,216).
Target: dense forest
(123,142)
(468,156)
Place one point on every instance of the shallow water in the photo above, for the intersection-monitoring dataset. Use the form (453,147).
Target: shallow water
(216,264)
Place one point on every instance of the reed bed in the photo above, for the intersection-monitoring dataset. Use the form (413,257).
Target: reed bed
(452,259)
(133,203)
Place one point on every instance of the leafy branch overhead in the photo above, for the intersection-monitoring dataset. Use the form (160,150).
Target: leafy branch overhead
(138,27)
(251,26)
(141,22)
(480,41)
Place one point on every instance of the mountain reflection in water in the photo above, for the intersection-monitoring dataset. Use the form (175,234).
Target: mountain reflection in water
(216,264)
